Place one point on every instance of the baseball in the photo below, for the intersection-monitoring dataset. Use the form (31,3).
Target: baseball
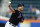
(9,2)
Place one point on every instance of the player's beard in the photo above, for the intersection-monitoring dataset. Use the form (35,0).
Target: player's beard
(21,9)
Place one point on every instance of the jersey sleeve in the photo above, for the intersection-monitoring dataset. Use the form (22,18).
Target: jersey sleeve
(22,16)
(16,11)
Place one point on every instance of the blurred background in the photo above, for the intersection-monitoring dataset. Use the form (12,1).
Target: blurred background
(31,12)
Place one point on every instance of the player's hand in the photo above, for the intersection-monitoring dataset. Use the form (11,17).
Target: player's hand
(9,4)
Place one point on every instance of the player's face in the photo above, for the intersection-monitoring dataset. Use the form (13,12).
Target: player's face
(21,8)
